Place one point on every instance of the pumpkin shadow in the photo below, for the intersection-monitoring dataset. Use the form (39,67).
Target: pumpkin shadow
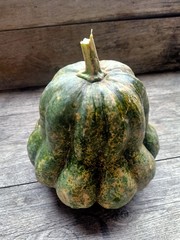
(95,220)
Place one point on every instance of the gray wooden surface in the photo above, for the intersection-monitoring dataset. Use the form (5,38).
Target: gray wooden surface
(29,210)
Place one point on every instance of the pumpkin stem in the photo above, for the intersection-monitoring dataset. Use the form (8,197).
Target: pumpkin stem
(93,71)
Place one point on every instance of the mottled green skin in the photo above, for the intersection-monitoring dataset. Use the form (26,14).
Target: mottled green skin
(93,141)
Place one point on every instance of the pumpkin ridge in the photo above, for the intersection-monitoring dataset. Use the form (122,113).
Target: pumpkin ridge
(130,102)
(86,116)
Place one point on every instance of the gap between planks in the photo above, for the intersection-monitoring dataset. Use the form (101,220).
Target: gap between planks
(148,17)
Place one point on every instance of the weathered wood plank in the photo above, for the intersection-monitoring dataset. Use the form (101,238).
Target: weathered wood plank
(15,14)
(19,113)
(164,97)
(30,57)
(33,212)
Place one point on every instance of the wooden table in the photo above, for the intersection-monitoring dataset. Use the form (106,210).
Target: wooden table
(29,210)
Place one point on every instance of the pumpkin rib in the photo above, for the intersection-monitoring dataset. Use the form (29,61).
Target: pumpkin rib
(76,186)
(141,164)
(112,65)
(117,187)
(151,141)
(34,143)
(131,103)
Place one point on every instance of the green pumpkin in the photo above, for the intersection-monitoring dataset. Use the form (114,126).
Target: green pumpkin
(93,142)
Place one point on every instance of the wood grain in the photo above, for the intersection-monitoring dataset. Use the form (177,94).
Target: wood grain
(34,212)
(30,57)
(15,14)
(19,113)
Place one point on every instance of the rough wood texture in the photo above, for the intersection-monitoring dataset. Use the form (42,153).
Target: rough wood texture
(29,210)
(17,14)
(30,57)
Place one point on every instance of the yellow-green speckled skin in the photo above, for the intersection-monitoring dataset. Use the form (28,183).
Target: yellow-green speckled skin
(93,142)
